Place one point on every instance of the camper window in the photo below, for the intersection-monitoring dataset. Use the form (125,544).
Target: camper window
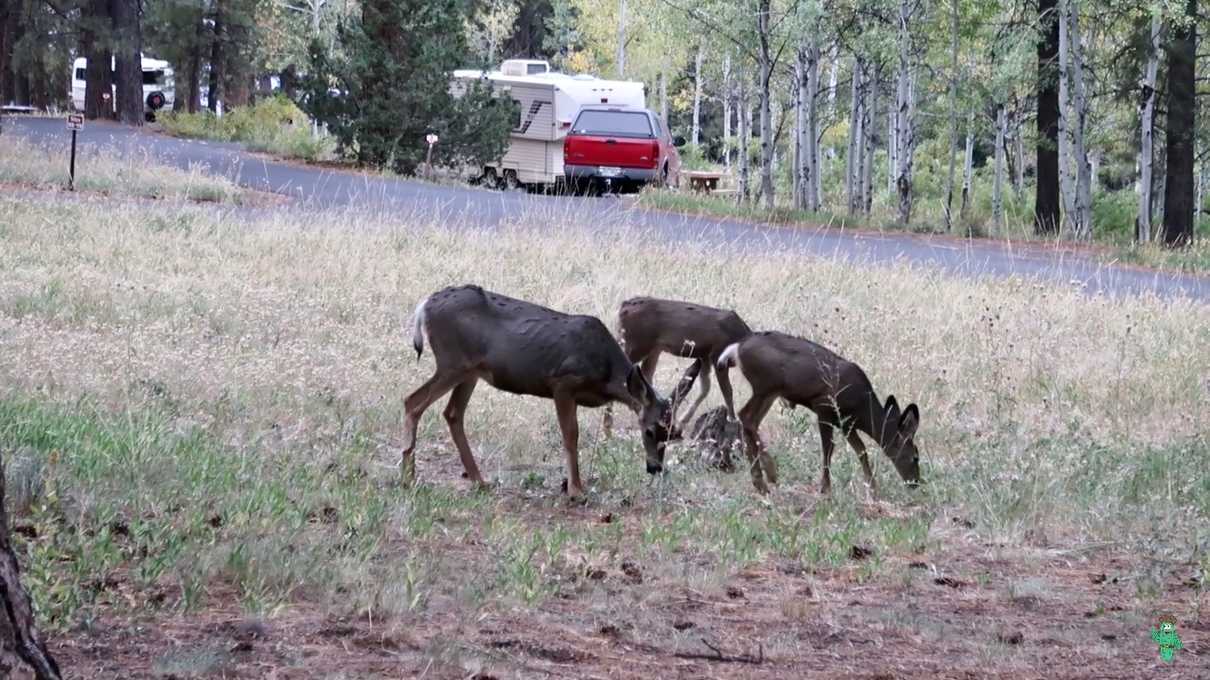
(618,123)
(80,74)
(152,77)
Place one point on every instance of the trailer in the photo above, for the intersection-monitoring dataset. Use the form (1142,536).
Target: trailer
(545,105)
(158,84)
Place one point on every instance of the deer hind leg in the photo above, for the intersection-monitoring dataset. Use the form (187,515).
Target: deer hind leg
(454,412)
(724,388)
(413,408)
(565,409)
(749,417)
(701,396)
(766,461)
(863,456)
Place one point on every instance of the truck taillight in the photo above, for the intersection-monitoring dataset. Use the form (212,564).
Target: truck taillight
(655,153)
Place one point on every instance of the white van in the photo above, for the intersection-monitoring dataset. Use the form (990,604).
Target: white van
(546,105)
(157,80)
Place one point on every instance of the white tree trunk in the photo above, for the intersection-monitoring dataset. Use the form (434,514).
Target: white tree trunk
(1147,119)
(1066,181)
(727,109)
(800,126)
(1201,188)
(998,183)
(953,153)
(745,127)
(664,97)
(696,134)
(621,57)
(1019,144)
(892,147)
(1082,215)
(968,166)
(868,127)
(853,155)
(904,122)
(811,153)
(765,63)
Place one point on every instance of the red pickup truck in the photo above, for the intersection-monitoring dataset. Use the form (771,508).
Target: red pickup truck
(620,148)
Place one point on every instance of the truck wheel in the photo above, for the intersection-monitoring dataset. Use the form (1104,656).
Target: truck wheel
(490,179)
(511,183)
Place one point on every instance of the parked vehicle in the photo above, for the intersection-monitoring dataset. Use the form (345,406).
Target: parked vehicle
(546,104)
(158,84)
(620,148)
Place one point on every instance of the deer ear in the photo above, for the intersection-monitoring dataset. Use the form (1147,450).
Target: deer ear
(687,380)
(909,421)
(636,385)
(892,408)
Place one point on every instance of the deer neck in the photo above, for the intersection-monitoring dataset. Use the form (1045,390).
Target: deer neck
(871,419)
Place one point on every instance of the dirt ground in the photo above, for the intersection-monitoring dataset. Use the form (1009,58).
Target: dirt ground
(951,614)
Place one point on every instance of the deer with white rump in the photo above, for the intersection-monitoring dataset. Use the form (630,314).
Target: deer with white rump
(520,347)
(649,327)
(837,390)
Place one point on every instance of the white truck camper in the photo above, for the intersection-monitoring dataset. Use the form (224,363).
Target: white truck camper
(546,106)
(158,84)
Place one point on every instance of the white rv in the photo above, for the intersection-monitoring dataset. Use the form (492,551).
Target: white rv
(157,78)
(546,105)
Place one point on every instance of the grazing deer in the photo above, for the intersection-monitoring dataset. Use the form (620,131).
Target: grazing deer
(649,326)
(837,390)
(520,347)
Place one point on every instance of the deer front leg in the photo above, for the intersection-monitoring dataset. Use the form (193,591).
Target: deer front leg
(825,438)
(565,409)
(701,396)
(414,407)
(863,456)
(454,411)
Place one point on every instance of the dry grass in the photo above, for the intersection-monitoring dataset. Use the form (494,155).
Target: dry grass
(161,373)
(112,173)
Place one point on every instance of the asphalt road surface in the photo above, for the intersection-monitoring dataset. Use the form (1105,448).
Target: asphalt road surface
(323,189)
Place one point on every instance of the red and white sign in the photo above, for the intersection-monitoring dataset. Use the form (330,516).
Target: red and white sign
(75,121)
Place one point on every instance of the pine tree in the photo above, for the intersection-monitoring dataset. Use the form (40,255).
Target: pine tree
(393,86)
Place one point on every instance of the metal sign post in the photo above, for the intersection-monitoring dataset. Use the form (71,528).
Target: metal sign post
(75,123)
(428,161)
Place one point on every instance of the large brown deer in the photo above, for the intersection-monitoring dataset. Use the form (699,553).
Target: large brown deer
(837,390)
(520,347)
(649,327)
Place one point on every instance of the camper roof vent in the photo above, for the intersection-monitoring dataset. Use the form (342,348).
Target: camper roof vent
(524,67)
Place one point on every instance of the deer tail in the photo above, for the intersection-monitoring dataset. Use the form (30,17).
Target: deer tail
(418,328)
(729,357)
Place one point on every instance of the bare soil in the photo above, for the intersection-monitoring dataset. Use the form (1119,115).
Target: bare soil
(972,609)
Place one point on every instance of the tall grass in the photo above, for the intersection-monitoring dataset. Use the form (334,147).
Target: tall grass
(206,405)
(116,174)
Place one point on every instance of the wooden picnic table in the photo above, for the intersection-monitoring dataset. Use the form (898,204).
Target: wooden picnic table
(703,181)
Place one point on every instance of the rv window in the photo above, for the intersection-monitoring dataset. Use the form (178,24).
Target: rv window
(152,77)
(535,68)
(80,74)
(616,123)
(516,115)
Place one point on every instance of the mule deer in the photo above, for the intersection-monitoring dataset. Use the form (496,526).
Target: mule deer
(837,390)
(520,347)
(650,326)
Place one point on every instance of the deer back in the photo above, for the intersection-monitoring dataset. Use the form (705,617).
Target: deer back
(682,328)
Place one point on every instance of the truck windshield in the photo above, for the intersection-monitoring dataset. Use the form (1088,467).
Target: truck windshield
(616,123)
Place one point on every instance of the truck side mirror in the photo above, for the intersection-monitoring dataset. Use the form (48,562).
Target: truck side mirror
(678,141)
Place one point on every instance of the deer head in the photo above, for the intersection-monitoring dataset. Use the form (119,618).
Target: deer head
(899,439)
(655,417)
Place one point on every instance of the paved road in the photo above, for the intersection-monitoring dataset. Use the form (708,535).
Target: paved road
(320,189)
